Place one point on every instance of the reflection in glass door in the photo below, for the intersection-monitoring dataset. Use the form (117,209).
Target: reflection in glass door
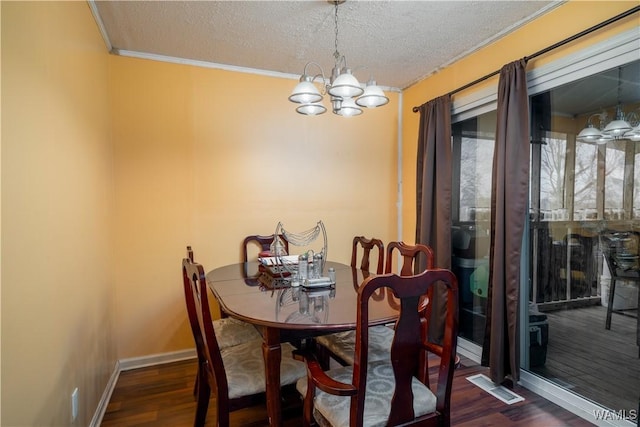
(580,190)
(473,143)
(584,190)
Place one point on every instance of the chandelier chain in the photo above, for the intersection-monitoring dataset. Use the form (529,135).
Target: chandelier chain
(336,54)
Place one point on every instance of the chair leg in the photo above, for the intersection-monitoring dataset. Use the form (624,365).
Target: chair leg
(307,407)
(612,292)
(323,356)
(204,394)
(196,384)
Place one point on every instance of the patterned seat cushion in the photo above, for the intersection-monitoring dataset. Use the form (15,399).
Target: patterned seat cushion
(343,344)
(380,387)
(244,365)
(230,332)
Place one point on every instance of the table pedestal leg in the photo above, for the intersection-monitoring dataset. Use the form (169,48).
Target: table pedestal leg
(272,353)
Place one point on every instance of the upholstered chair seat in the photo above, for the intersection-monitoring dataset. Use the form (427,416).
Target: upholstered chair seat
(377,404)
(231,332)
(244,366)
(343,344)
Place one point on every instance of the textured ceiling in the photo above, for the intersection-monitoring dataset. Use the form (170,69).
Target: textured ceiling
(396,42)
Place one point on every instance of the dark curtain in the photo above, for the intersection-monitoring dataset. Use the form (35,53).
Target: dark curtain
(509,196)
(433,197)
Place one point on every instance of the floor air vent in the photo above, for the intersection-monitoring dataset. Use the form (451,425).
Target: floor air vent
(499,392)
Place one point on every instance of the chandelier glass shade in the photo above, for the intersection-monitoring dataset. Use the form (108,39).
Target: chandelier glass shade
(346,94)
(345,85)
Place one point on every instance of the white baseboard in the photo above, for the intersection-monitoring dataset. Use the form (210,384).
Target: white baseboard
(104,400)
(135,363)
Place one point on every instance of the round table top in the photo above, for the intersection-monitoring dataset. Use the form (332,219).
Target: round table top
(242,296)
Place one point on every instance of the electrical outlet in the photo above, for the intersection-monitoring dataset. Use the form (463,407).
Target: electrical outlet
(74,404)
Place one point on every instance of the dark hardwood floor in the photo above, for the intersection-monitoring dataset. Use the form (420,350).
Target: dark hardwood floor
(162,396)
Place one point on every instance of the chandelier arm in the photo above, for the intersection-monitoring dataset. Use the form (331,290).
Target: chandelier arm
(633,118)
(602,116)
(324,90)
(304,72)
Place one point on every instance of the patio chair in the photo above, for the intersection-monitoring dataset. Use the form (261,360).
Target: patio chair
(621,252)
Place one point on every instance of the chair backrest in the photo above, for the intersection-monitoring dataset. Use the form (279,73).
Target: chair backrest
(621,250)
(207,348)
(410,261)
(264,243)
(408,348)
(410,257)
(367,245)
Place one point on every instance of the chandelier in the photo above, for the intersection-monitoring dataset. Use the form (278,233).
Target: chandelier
(346,94)
(624,126)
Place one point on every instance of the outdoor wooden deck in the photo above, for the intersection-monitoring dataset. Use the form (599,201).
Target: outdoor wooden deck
(599,364)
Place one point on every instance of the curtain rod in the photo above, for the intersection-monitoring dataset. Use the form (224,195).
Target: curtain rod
(549,48)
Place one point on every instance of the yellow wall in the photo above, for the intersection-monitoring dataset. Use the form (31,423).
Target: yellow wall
(57,201)
(205,157)
(558,24)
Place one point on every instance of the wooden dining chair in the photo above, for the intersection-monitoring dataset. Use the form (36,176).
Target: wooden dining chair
(367,246)
(262,242)
(229,331)
(384,392)
(340,346)
(235,374)
(410,257)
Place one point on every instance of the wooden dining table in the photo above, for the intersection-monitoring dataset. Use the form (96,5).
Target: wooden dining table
(292,314)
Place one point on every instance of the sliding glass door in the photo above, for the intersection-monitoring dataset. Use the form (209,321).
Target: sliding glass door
(584,218)
(584,210)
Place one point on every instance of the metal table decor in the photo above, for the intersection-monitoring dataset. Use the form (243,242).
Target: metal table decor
(305,269)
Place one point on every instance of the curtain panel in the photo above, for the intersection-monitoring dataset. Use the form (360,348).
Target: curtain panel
(433,198)
(509,196)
